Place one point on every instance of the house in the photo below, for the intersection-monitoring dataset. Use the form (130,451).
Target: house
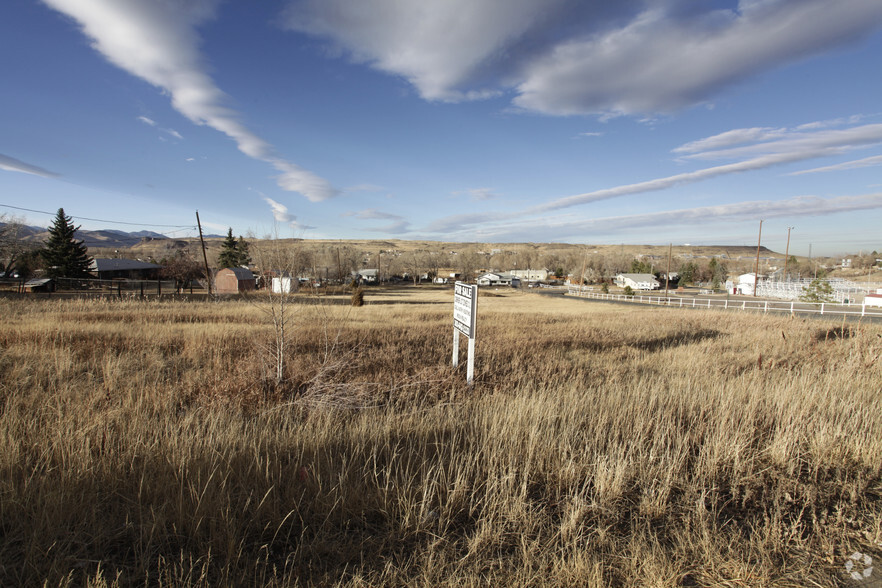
(232,280)
(530,275)
(368,276)
(499,279)
(874,299)
(637,281)
(746,284)
(129,269)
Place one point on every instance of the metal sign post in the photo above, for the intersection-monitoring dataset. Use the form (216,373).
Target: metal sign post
(465,314)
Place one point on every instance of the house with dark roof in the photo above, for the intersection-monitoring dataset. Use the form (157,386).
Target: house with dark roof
(129,269)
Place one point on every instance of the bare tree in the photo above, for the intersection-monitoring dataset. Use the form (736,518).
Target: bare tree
(13,248)
(279,270)
(181,268)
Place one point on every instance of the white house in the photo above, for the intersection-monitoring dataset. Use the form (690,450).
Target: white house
(873,299)
(368,276)
(637,281)
(746,284)
(499,279)
(530,275)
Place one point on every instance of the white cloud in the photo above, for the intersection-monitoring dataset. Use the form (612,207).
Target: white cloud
(858,163)
(16,165)
(562,57)
(772,147)
(730,138)
(398,225)
(298,226)
(157,42)
(478,194)
(147,121)
(280,211)
(802,144)
(280,214)
(569,227)
(173,133)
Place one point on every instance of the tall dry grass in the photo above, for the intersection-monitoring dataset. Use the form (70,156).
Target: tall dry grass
(146,444)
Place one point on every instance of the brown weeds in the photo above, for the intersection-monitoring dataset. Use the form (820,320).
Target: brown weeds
(141,444)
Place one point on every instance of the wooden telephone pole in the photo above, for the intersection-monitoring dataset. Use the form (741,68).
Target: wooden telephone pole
(668,273)
(204,256)
(756,265)
(787,253)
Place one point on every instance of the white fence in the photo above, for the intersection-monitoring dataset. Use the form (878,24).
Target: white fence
(842,290)
(826,309)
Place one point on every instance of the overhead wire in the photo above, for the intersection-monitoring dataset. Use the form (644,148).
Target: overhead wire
(101,220)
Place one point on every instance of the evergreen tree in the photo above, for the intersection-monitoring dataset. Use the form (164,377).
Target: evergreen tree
(242,249)
(64,256)
(233,253)
(818,291)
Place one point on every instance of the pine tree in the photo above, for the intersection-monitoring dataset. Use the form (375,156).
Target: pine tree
(818,291)
(233,253)
(64,256)
(242,249)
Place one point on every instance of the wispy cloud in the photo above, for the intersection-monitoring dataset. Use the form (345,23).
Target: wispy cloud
(753,149)
(279,210)
(478,194)
(561,57)
(398,225)
(16,165)
(157,42)
(147,121)
(281,214)
(858,163)
(173,133)
(804,144)
(549,229)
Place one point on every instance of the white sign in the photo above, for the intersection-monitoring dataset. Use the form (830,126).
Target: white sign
(465,313)
(465,308)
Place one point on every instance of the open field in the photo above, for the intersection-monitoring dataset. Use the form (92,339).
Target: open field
(148,443)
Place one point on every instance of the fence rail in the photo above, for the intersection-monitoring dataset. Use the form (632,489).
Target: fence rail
(792,307)
(94,286)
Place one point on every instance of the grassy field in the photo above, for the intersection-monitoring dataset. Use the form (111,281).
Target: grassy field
(148,443)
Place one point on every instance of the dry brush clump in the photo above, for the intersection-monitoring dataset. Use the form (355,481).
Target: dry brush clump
(600,445)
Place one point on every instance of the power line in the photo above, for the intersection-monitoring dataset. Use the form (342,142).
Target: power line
(99,220)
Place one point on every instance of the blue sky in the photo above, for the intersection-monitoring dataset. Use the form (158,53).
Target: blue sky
(650,121)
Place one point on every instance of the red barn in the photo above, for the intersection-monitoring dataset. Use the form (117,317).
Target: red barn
(233,280)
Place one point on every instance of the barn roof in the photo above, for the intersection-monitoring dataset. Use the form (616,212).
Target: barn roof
(112,264)
(241,273)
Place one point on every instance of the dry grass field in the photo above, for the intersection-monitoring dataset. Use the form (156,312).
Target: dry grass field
(147,443)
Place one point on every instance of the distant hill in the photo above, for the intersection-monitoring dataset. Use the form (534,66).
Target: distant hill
(105,238)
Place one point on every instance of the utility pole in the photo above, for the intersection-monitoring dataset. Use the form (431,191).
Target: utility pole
(204,256)
(756,265)
(668,273)
(582,275)
(787,253)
